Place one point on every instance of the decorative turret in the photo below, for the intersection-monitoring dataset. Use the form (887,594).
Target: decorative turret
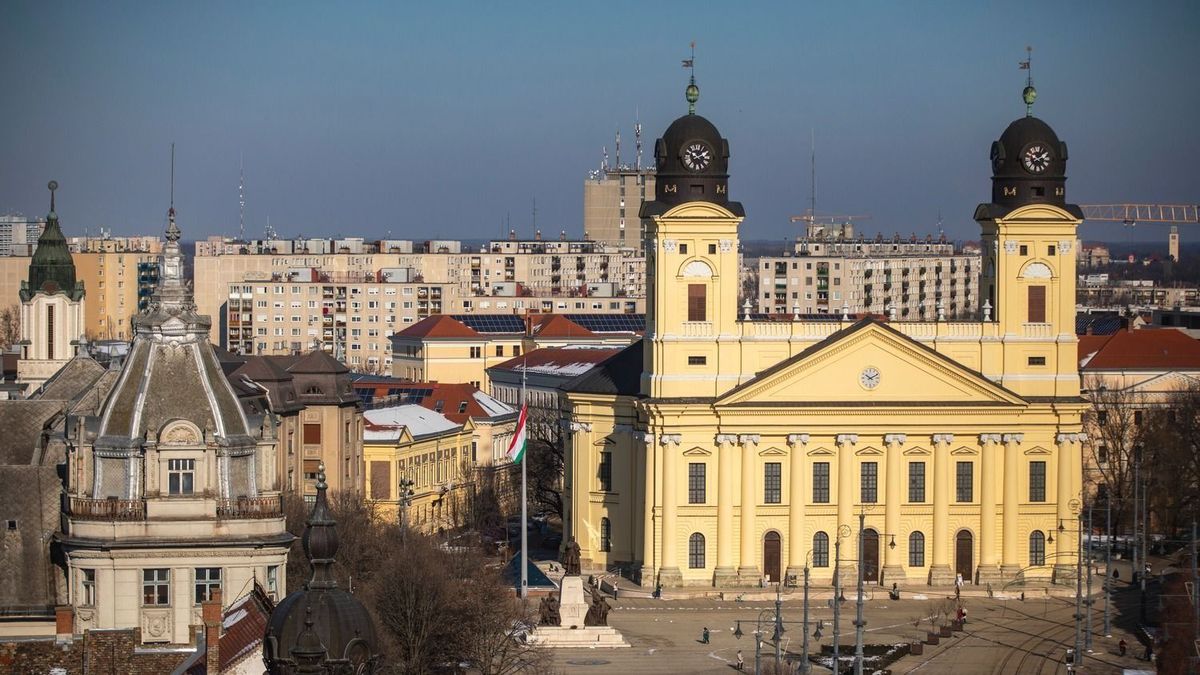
(320,628)
(52,270)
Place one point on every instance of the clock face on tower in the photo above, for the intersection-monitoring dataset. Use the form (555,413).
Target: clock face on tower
(696,156)
(997,155)
(1036,158)
(869,377)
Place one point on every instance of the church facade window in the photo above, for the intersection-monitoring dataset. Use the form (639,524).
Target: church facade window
(820,482)
(696,551)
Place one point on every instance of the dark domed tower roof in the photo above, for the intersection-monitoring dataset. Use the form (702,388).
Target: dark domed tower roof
(321,625)
(1029,163)
(692,162)
(52,270)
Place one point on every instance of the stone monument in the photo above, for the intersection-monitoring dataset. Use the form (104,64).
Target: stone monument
(572,619)
(572,608)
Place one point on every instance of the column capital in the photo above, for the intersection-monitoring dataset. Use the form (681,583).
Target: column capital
(1012,438)
(943,438)
(797,439)
(990,438)
(1074,437)
(847,439)
(643,436)
(897,439)
(726,438)
(748,439)
(667,439)
(581,426)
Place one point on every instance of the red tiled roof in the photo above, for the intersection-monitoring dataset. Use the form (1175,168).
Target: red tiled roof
(452,396)
(1148,349)
(245,624)
(557,325)
(439,326)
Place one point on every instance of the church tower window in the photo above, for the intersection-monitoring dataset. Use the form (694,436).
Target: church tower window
(697,302)
(1037,304)
(50,332)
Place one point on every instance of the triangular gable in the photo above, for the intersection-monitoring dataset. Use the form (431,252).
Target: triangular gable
(964,451)
(917,451)
(1171,382)
(868,451)
(696,452)
(607,440)
(831,371)
(1038,450)
(820,451)
(768,452)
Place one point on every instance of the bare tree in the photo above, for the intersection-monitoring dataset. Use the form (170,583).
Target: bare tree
(1171,428)
(10,326)
(1116,433)
(547,459)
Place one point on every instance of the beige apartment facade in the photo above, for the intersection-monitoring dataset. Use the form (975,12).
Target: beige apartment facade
(611,200)
(922,283)
(580,276)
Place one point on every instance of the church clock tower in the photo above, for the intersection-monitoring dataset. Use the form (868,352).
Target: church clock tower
(1027,285)
(692,262)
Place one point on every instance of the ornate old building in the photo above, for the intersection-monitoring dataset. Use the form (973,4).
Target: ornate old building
(172,487)
(719,450)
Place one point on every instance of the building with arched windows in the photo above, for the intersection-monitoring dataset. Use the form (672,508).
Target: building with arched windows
(722,449)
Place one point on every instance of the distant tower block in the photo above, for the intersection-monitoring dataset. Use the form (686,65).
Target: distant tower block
(1173,243)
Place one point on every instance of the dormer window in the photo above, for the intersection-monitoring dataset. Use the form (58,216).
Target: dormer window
(313,390)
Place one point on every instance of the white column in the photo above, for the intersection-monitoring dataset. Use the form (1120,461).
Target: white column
(798,497)
(846,498)
(893,569)
(725,573)
(1010,551)
(748,569)
(942,538)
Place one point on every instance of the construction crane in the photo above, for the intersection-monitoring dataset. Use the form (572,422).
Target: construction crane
(1132,214)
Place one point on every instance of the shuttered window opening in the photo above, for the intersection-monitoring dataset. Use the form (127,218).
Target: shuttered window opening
(1037,304)
(697,302)
(312,434)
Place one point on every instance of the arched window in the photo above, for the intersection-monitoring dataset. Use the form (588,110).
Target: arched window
(605,535)
(696,551)
(916,549)
(820,550)
(1037,548)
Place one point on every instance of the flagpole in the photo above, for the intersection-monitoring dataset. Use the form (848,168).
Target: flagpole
(524,510)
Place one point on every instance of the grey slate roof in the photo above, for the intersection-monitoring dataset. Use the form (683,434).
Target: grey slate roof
(620,375)
(71,380)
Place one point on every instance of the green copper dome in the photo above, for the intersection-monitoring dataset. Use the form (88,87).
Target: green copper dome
(52,270)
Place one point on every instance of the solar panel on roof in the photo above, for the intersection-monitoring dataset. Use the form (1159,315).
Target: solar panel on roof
(610,323)
(492,323)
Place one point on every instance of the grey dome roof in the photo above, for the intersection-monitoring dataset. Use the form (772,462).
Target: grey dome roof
(321,624)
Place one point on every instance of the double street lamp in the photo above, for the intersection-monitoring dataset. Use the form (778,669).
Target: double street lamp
(859,622)
(777,636)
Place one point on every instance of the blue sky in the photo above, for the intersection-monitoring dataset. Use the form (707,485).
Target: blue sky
(439,119)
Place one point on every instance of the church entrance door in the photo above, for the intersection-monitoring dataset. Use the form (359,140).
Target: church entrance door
(963,561)
(870,556)
(771,551)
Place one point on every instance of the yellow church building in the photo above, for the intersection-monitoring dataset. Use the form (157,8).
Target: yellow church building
(724,448)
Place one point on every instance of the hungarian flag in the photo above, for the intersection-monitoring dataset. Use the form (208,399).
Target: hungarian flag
(516,447)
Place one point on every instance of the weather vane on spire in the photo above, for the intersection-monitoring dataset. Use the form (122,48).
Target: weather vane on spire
(693,92)
(1029,94)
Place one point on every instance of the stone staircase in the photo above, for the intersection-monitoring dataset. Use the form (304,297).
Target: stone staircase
(578,638)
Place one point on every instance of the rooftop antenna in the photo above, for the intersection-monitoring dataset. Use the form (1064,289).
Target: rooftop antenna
(637,135)
(604,164)
(1029,94)
(618,148)
(939,223)
(241,198)
(171,211)
(812,198)
(693,92)
(535,214)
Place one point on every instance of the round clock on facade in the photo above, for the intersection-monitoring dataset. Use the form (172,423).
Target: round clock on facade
(1036,158)
(696,156)
(869,377)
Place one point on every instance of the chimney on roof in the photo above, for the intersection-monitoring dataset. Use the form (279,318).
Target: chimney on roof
(562,235)
(210,612)
(512,235)
(64,624)
(537,235)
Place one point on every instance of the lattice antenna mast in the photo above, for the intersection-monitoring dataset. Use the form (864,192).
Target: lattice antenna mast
(171,211)
(618,148)
(637,135)
(241,198)
(812,195)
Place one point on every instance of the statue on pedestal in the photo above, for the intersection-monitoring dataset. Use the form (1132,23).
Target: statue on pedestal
(598,611)
(571,558)
(548,611)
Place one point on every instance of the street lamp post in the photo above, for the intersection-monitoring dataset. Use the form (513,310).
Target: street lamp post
(804,668)
(843,531)
(1087,639)
(1078,593)
(1107,562)
(405,495)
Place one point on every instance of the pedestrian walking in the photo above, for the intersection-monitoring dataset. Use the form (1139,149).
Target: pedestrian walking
(704,637)
(1122,646)
(964,615)
(741,664)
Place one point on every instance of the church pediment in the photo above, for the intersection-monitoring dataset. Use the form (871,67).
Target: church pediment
(1037,450)
(868,451)
(772,452)
(697,452)
(964,451)
(917,451)
(1170,382)
(820,451)
(869,364)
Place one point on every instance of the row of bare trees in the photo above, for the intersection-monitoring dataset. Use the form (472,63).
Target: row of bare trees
(1151,438)
(438,608)
(10,326)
